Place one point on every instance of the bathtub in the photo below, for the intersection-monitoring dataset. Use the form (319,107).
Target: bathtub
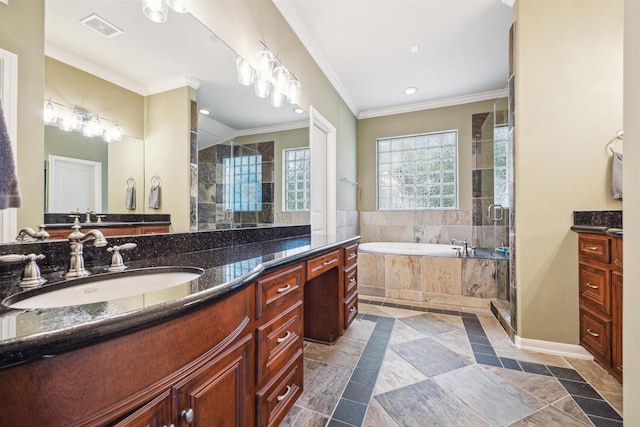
(429,273)
(408,248)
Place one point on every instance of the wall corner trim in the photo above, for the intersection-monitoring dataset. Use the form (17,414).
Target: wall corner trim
(551,347)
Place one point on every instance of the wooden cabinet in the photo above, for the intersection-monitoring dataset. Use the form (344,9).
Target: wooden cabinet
(279,339)
(600,298)
(350,272)
(130,230)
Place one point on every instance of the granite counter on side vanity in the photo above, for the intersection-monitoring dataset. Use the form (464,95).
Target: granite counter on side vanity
(46,332)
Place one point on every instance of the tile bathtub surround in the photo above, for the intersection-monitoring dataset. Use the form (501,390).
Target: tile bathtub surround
(454,281)
(420,366)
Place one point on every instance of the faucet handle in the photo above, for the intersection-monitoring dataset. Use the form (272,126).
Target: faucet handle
(117,263)
(76,220)
(100,218)
(31,277)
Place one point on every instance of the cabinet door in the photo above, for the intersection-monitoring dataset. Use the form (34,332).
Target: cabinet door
(221,392)
(156,413)
(616,356)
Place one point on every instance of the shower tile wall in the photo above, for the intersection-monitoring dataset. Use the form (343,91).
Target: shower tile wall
(211,210)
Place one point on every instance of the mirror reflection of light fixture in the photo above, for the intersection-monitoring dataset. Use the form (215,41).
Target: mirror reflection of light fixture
(278,81)
(155,10)
(70,119)
(246,73)
(180,6)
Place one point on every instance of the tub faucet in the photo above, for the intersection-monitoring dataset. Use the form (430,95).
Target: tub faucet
(464,243)
(27,232)
(77,240)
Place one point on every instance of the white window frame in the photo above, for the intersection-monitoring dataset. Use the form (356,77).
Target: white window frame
(457,175)
(285,181)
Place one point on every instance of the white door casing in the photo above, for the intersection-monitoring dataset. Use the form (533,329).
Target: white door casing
(322,148)
(9,99)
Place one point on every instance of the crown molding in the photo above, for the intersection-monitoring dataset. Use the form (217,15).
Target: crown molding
(428,105)
(307,41)
(274,128)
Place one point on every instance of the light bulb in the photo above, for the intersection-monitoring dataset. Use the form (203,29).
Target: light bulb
(293,92)
(49,113)
(262,88)
(75,123)
(277,98)
(180,6)
(65,125)
(265,64)
(246,74)
(281,76)
(155,10)
(116,132)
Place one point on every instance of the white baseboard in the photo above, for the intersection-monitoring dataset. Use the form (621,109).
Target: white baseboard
(555,348)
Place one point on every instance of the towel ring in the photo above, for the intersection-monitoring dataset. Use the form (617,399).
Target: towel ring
(156,180)
(619,135)
(131,182)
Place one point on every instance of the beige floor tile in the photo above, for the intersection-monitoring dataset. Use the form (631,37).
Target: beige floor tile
(456,320)
(396,372)
(548,416)
(456,341)
(614,399)
(375,310)
(403,333)
(345,352)
(299,416)
(544,388)
(377,417)
(360,329)
(531,356)
(595,375)
(397,313)
(569,406)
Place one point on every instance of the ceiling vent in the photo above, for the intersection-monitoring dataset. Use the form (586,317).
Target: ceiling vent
(101,26)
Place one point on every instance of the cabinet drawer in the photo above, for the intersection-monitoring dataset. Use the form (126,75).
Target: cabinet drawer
(276,398)
(278,340)
(350,281)
(350,309)
(595,335)
(595,247)
(595,287)
(617,254)
(279,288)
(322,263)
(350,254)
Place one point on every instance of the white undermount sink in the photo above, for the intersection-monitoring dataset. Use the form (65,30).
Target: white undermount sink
(103,287)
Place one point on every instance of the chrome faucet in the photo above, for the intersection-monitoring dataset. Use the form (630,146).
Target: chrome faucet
(228,215)
(88,215)
(76,240)
(27,232)
(464,243)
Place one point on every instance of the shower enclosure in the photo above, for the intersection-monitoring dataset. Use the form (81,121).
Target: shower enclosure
(493,199)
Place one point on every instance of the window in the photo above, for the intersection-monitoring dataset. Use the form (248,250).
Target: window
(242,179)
(418,172)
(297,194)
(501,153)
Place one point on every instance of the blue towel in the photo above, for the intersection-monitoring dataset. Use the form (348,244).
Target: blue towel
(9,192)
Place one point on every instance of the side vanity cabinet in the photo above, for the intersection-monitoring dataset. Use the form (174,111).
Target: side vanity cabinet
(600,298)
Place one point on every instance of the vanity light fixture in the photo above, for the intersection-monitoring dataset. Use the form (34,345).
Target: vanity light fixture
(70,119)
(158,10)
(270,76)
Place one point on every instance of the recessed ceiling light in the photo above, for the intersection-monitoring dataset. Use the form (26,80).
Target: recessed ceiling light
(410,90)
(298,110)
(204,111)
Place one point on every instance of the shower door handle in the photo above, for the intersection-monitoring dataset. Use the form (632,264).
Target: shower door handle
(495,213)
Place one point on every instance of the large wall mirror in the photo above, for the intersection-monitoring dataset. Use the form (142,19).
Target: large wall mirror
(114,75)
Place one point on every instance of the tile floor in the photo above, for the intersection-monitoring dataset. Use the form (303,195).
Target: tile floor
(400,365)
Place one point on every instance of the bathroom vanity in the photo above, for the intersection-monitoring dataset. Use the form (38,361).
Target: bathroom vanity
(223,349)
(600,274)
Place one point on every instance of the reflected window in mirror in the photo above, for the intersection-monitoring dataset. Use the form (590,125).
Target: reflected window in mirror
(242,180)
(296,179)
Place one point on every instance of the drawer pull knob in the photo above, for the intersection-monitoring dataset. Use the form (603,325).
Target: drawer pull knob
(352,309)
(284,338)
(284,396)
(592,333)
(617,262)
(187,415)
(331,261)
(352,281)
(592,248)
(592,286)
(285,288)
(352,256)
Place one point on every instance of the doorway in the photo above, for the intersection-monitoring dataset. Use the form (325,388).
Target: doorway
(322,148)
(74,183)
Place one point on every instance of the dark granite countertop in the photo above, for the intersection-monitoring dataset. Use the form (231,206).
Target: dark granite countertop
(598,222)
(44,333)
(107,224)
